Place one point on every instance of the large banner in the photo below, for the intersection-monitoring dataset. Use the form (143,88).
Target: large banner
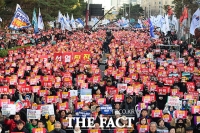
(20,20)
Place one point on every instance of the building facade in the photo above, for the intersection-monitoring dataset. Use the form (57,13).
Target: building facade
(155,7)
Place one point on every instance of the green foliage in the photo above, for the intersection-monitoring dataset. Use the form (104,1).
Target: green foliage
(179,5)
(136,11)
(49,8)
(4,52)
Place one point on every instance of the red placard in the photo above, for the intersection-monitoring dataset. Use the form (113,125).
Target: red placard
(27,104)
(111,91)
(64,95)
(95,97)
(181,114)
(4,89)
(142,128)
(167,118)
(190,86)
(24,88)
(38,130)
(156,113)
(101,101)
(96,79)
(62,106)
(4,101)
(50,99)
(42,93)
(94,131)
(47,84)
(118,98)
(35,89)
(79,105)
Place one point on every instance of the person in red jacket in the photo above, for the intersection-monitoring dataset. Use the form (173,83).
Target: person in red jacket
(12,122)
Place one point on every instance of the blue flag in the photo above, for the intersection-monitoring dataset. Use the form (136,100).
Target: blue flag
(20,20)
(151,29)
(34,22)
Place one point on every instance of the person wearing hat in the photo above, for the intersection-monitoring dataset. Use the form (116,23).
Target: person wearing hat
(20,127)
(128,106)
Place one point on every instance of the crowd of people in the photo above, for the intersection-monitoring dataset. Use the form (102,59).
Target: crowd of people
(63,75)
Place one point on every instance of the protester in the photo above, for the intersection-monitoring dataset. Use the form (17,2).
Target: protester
(69,75)
(20,127)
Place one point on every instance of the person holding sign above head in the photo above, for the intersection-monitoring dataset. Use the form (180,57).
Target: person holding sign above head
(20,127)
(50,123)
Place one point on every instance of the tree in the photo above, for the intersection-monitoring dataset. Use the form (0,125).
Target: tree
(179,5)
(135,12)
(49,8)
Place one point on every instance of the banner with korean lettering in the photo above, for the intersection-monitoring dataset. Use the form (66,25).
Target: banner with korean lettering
(20,20)
(173,101)
(156,113)
(83,113)
(106,109)
(181,114)
(8,109)
(33,114)
(47,109)
(62,106)
(118,98)
(4,101)
(167,117)
(4,89)
(142,128)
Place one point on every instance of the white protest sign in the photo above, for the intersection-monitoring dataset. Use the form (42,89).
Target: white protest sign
(73,93)
(47,109)
(33,114)
(8,109)
(121,87)
(86,98)
(173,101)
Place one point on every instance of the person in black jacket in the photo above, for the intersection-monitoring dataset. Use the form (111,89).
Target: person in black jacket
(20,127)
(58,128)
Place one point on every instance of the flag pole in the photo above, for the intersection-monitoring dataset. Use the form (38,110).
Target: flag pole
(102,18)
(87,15)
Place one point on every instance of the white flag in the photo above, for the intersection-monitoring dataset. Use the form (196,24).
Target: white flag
(167,23)
(73,22)
(40,21)
(195,21)
(175,22)
(67,25)
(68,19)
(60,16)
(18,6)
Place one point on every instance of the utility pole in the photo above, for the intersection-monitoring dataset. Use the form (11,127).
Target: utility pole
(87,15)
(129,14)
(148,8)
